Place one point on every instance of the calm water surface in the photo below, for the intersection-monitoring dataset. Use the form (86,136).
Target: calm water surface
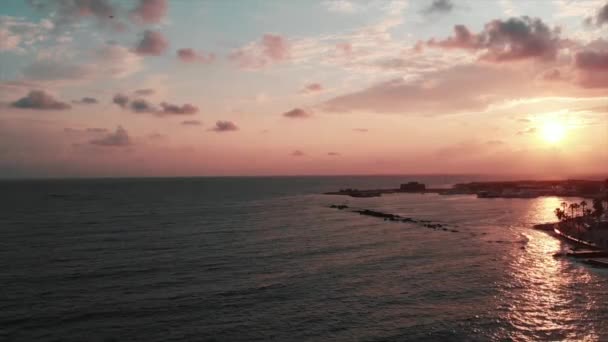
(244,259)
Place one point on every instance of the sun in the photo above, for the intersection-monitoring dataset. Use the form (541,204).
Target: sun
(553,132)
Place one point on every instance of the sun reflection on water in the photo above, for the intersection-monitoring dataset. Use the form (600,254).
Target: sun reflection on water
(543,297)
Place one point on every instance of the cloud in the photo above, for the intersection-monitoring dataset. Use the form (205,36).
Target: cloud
(69,12)
(275,47)
(191,123)
(108,61)
(298,153)
(224,126)
(191,56)
(344,49)
(592,67)
(340,6)
(439,6)
(119,138)
(16,32)
(530,130)
(87,100)
(297,113)
(144,92)
(361,130)
(142,106)
(439,92)
(8,40)
(117,61)
(270,49)
(121,100)
(312,88)
(107,13)
(152,43)
(171,109)
(37,99)
(150,11)
(552,75)
(70,130)
(592,60)
(495,142)
(97,130)
(156,136)
(333,154)
(601,17)
(508,40)
(52,70)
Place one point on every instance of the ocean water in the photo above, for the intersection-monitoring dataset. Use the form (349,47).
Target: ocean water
(258,259)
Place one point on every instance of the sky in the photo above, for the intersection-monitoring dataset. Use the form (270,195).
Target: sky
(110,88)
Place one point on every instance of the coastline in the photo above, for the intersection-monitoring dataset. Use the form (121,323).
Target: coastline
(495,189)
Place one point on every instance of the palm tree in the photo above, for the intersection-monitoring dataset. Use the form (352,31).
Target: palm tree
(583,204)
(598,207)
(564,206)
(560,214)
(573,208)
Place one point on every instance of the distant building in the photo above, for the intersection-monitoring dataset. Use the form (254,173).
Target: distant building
(412,187)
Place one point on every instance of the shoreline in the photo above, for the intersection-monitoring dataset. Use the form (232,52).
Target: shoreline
(495,189)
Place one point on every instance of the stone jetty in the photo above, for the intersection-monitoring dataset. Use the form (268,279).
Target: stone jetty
(396,218)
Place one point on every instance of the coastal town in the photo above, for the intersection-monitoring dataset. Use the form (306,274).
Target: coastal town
(583,225)
(497,189)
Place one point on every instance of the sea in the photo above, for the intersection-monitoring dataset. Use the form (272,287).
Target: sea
(267,259)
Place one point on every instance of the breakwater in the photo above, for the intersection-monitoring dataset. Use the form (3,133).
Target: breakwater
(396,218)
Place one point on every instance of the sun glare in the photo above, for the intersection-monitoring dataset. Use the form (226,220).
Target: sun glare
(553,132)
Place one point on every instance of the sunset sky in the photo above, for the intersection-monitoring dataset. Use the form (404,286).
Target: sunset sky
(187,88)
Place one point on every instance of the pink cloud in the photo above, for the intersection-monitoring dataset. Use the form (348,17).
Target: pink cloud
(344,48)
(144,92)
(298,153)
(270,49)
(150,11)
(121,100)
(297,113)
(592,60)
(145,106)
(225,126)
(119,138)
(312,88)
(152,43)
(171,109)
(447,95)
(552,75)
(87,100)
(191,123)
(508,40)
(50,70)
(190,56)
(37,99)
(142,106)
(106,12)
(462,39)
(275,47)
(592,67)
